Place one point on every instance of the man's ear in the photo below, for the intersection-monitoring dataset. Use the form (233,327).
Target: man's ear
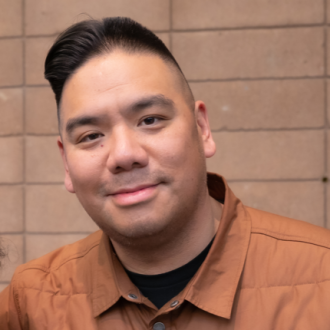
(67,180)
(203,126)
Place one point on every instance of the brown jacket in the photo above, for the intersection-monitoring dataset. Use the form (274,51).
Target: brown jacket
(263,272)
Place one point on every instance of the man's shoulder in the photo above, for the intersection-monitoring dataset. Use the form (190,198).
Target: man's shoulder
(285,253)
(58,263)
(286,229)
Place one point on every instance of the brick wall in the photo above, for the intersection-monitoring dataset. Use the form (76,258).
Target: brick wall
(260,66)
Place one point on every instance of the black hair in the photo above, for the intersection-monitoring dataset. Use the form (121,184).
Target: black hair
(89,38)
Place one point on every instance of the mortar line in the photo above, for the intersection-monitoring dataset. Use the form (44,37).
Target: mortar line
(325,188)
(279,180)
(34,183)
(236,79)
(5,184)
(11,86)
(233,79)
(247,28)
(55,35)
(11,37)
(266,129)
(42,134)
(24,133)
(171,25)
(57,233)
(28,134)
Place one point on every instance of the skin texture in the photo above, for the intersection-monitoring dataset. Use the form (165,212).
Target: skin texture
(134,153)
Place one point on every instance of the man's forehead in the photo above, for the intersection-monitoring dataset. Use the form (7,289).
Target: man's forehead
(109,71)
(118,72)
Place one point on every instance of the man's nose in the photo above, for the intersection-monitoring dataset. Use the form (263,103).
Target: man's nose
(126,151)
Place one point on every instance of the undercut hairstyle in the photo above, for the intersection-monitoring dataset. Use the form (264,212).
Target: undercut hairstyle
(91,38)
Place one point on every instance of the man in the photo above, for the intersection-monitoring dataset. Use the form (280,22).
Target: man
(176,250)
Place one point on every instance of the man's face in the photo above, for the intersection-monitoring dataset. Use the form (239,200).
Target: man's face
(134,150)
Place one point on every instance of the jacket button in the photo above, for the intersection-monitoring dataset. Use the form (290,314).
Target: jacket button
(174,303)
(132,296)
(159,326)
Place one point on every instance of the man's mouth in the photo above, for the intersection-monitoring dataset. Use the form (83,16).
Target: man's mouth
(134,195)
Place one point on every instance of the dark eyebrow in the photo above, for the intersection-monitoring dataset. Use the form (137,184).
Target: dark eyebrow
(73,123)
(149,101)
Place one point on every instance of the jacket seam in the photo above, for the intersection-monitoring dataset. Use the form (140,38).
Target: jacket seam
(52,292)
(50,269)
(291,238)
(283,286)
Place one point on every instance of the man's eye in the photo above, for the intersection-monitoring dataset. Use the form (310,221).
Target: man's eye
(90,137)
(149,120)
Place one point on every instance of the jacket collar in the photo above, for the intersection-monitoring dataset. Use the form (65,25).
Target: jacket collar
(214,286)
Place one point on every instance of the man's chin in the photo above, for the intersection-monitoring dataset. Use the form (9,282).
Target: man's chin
(139,235)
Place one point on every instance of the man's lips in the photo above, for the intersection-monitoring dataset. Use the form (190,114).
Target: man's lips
(133,190)
(134,195)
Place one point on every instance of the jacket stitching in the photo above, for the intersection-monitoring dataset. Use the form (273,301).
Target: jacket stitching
(291,238)
(53,292)
(50,269)
(283,286)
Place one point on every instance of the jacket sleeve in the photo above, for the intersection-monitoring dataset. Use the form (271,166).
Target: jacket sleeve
(9,314)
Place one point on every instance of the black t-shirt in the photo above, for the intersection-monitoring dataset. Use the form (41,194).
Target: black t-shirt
(163,287)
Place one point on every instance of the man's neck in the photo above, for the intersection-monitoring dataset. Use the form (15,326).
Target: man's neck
(180,249)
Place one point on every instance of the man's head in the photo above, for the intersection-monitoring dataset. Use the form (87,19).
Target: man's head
(134,149)
(91,38)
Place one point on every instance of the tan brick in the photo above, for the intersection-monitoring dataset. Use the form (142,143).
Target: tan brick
(41,113)
(11,62)
(165,37)
(201,14)
(11,209)
(38,245)
(297,200)
(269,155)
(263,104)
(36,50)
(50,17)
(13,246)
(11,111)
(11,164)
(250,53)
(3,286)
(43,160)
(10,18)
(50,208)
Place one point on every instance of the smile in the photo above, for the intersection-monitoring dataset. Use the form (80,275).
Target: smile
(131,196)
